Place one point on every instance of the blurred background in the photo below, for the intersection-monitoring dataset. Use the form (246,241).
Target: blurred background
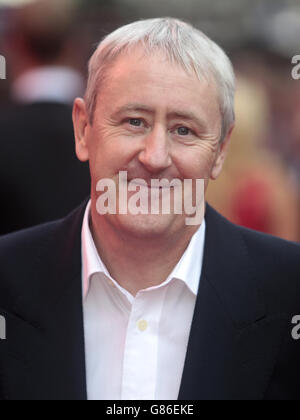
(47,44)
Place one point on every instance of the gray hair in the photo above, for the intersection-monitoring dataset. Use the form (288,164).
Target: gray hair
(182,44)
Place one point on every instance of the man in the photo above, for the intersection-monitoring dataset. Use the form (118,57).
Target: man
(117,305)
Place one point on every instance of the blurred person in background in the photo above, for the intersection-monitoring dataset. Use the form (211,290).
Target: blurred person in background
(40,177)
(255,190)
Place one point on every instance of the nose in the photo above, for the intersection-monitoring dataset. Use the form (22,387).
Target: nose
(155,155)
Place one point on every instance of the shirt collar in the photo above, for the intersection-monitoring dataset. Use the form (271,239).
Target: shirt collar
(188,270)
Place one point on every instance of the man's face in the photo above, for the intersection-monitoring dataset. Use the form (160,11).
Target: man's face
(155,121)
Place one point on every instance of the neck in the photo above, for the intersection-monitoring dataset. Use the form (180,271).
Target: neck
(137,263)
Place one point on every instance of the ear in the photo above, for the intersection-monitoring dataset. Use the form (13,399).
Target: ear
(222,153)
(81,124)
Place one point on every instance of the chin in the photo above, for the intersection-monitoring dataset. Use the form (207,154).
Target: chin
(144,226)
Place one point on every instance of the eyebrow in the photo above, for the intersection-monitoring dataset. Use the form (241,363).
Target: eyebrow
(186,115)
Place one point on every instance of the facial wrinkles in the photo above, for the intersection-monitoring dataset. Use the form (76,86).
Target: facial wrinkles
(145,74)
(145,79)
(160,119)
(205,147)
(177,91)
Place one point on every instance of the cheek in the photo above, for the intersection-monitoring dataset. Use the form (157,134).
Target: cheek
(110,152)
(196,164)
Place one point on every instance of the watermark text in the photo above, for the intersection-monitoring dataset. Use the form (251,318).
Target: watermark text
(155,197)
(2,67)
(296,329)
(296,68)
(2,328)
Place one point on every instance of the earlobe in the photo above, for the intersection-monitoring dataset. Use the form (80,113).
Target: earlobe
(80,123)
(218,165)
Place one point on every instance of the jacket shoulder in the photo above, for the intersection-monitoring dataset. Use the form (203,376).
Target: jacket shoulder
(20,244)
(274,251)
(276,265)
(258,244)
(20,253)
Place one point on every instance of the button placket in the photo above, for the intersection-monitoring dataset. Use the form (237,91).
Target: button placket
(139,368)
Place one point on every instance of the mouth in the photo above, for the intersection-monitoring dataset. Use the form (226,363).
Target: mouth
(148,185)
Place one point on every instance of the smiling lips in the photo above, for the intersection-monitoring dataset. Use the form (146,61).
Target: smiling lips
(149,185)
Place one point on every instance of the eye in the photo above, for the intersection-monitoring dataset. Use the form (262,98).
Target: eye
(183,131)
(136,122)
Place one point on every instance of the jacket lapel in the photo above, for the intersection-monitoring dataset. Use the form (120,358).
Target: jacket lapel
(233,344)
(48,321)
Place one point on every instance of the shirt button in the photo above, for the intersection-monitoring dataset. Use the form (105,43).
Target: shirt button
(142,325)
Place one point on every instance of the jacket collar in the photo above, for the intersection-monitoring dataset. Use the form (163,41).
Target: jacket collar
(230,271)
(233,345)
(227,267)
(229,304)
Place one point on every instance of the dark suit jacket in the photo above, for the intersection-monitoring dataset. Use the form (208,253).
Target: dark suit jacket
(240,346)
(41,178)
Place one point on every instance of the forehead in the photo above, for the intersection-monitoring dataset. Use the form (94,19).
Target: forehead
(154,67)
(156,81)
